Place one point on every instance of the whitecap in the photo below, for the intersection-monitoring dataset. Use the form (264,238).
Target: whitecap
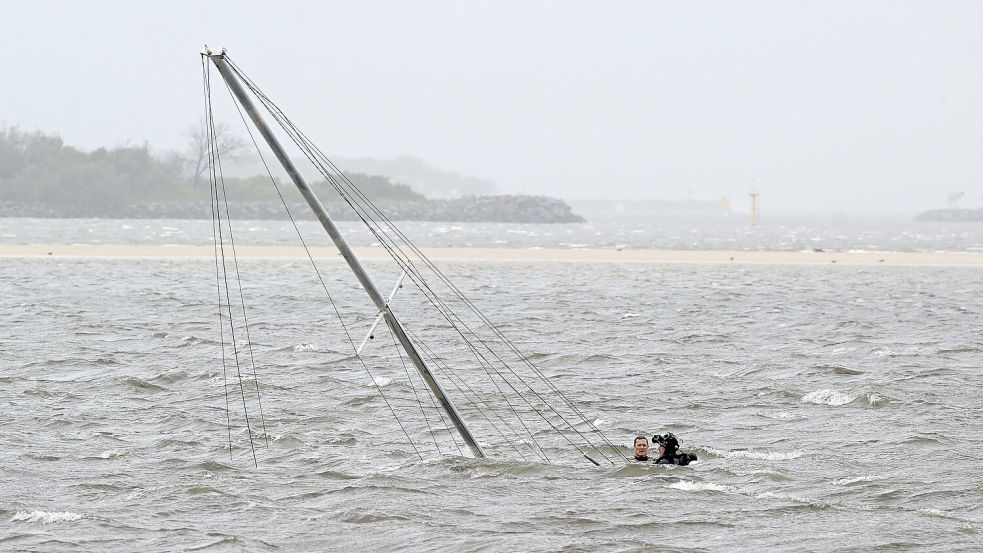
(382,381)
(305,347)
(782,416)
(630,315)
(756,455)
(848,481)
(795,498)
(688,486)
(876,399)
(828,397)
(941,514)
(112,454)
(42,517)
(835,398)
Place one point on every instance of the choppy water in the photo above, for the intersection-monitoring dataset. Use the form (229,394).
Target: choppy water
(832,409)
(606,230)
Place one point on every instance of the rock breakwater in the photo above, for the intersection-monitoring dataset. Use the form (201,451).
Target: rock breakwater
(495,209)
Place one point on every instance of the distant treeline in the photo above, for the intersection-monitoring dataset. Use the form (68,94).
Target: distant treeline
(38,168)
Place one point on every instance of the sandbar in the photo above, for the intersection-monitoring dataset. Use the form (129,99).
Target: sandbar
(581,255)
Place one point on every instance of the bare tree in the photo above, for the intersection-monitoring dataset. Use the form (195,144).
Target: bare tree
(954,198)
(228,146)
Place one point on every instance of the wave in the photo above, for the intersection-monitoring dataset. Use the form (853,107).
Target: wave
(299,348)
(836,398)
(966,349)
(839,369)
(782,416)
(142,385)
(857,480)
(942,514)
(758,474)
(689,486)
(828,397)
(112,454)
(44,517)
(170,377)
(600,358)
(381,382)
(755,455)
(795,499)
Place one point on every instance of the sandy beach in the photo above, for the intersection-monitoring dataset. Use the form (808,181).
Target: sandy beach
(584,255)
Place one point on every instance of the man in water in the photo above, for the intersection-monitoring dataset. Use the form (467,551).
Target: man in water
(669,453)
(641,449)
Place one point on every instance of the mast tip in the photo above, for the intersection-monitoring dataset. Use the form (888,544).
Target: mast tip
(213,53)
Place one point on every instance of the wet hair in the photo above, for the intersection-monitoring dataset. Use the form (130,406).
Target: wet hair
(668,441)
(640,438)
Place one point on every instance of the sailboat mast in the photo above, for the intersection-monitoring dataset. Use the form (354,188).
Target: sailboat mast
(346,251)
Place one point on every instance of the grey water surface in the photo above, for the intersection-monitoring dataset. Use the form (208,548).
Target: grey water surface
(833,408)
(781,232)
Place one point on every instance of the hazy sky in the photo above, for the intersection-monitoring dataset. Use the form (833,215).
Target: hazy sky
(866,105)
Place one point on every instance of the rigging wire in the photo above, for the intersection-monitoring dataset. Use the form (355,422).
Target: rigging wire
(214,172)
(235,264)
(318,272)
(447,369)
(218,285)
(364,208)
(416,394)
(314,155)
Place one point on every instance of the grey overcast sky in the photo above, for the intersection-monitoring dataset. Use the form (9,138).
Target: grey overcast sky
(842,105)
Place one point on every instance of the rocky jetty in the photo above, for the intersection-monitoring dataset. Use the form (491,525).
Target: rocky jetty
(952,216)
(494,209)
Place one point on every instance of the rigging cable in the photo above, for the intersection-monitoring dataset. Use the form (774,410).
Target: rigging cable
(218,284)
(312,152)
(321,161)
(319,276)
(305,145)
(215,171)
(417,396)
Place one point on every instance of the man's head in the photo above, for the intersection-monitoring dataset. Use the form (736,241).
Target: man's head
(641,447)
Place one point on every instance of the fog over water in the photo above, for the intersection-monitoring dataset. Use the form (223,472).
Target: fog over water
(868,106)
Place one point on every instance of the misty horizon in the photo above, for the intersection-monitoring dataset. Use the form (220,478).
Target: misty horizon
(870,107)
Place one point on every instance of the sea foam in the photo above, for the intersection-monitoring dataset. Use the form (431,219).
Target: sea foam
(305,348)
(835,398)
(828,397)
(756,455)
(688,486)
(42,517)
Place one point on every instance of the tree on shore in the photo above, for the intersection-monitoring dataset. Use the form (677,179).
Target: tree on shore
(40,168)
(954,199)
(229,147)
(37,168)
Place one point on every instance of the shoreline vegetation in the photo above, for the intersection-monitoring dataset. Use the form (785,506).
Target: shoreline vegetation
(469,209)
(578,255)
(951,216)
(42,177)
